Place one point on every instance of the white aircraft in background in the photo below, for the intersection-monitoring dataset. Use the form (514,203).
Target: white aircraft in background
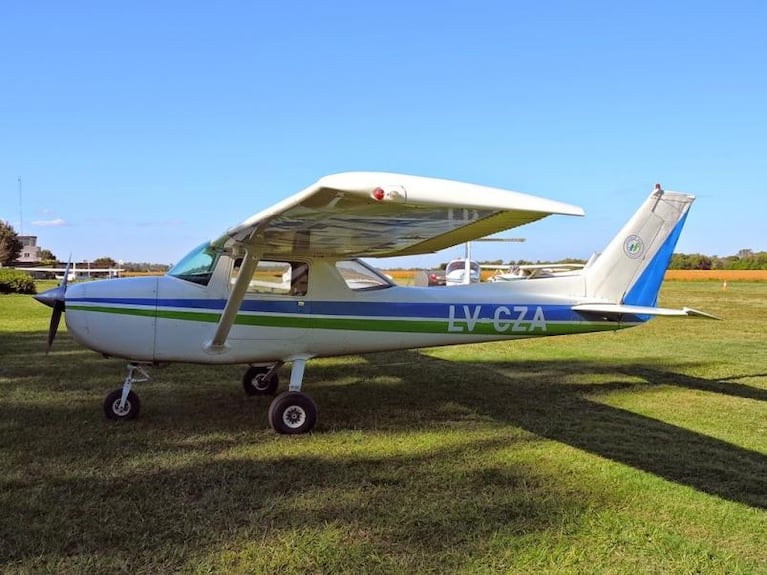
(467,271)
(71,273)
(462,271)
(227,301)
(530,271)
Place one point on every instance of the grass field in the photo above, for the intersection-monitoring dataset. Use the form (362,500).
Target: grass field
(642,451)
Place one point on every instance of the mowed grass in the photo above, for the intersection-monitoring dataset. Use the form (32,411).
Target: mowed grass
(641,451)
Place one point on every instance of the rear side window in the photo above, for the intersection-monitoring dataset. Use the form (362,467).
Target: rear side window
(276,278)
(360,276)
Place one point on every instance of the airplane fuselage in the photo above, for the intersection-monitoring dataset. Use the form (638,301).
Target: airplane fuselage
(167,319)
(284,286)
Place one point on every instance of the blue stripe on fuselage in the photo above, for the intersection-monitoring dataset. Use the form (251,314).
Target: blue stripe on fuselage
(351,308)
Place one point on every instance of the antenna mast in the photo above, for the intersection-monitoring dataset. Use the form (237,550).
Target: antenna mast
(21,212)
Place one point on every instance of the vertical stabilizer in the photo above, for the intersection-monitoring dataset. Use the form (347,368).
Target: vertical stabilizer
(631,268)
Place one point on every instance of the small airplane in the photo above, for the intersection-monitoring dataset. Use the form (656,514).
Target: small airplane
(464,270)
(229,300)
(531,271)
(461,272)
(71,273)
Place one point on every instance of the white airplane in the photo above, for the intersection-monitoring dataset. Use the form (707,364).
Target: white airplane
(467,271)
(531,271)
(71,273)
(462,271)
(227,301)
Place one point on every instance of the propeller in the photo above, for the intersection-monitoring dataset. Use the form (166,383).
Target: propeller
(55,298)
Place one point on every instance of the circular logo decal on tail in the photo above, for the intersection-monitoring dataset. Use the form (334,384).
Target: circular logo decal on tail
(633,246)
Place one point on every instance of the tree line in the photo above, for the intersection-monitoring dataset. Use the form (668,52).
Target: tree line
(743,260)
(10,249)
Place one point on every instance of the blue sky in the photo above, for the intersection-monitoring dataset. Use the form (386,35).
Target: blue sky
(140,129)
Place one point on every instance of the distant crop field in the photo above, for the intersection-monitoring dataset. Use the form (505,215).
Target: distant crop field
(401,274)
(720,275)
(640,451)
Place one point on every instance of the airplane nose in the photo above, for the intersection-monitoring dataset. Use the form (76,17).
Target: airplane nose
(51,296)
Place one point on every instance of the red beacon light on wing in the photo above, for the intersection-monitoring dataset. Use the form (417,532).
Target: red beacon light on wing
(389,194)
(658,188)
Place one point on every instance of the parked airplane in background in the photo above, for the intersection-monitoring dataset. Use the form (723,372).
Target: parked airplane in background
(461,272)
(72,273)
(530,271)
(467,271)
(228,301)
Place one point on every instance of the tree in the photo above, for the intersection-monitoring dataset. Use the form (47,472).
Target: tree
(47,257)
(10,244)
(105,262)
(690,262)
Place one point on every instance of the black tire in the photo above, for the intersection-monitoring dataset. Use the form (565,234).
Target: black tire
(254,382)
(129,411)
(292,413)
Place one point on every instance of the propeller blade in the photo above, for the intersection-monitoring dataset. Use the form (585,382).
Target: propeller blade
(66,273)
(58,309)
(55,298)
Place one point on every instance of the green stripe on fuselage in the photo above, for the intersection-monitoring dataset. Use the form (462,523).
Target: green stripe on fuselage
(297,321)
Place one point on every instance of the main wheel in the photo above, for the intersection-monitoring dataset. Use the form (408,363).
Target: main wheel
(292,413)
(130,409)
(254,382)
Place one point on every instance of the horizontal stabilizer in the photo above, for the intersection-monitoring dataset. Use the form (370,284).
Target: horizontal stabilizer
(616,310)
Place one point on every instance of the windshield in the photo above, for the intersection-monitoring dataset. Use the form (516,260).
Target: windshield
(461,265)
(197,266)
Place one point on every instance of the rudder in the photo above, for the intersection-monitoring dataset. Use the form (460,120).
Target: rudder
(631,269)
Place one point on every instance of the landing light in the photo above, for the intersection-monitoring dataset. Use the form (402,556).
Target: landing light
(389,193)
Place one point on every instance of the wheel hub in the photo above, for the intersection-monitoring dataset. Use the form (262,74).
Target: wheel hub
(121,412)
(294,416)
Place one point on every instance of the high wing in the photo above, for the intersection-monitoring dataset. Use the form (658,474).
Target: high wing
(376,214)
(373,214)
(70,269)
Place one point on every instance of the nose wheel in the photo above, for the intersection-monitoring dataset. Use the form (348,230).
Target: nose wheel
(116,409)
(261,380)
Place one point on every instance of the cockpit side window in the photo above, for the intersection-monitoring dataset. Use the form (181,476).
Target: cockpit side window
(198,265)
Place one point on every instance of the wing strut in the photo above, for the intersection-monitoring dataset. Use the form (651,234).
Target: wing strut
(225,322)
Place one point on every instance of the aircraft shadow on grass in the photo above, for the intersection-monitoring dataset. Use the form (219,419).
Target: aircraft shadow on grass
(192,510)
(142,514)
(398,391)
(536,399)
